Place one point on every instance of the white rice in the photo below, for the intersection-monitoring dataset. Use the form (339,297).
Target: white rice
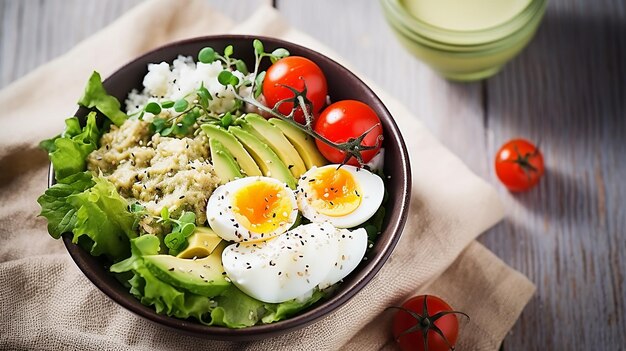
(180,80)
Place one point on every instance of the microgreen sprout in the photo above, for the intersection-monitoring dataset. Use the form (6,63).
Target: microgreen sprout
(182,227)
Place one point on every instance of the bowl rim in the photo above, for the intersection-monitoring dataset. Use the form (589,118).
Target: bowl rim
(321,309)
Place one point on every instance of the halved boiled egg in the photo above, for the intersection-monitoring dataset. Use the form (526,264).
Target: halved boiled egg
(345,196)
(293,264)
(251,209)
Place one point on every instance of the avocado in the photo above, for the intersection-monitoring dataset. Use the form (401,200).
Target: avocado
(274,138)
(224,164)
(270,163)
(201,243)
(203,276)
(243,158)
(302,142)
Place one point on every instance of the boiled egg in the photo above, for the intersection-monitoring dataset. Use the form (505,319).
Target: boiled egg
(352,246)
(251,209)
(292,265)
(345,196)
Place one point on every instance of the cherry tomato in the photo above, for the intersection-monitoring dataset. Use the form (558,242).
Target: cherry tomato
(519,165)
(420,313)
(345,120)
(295,71)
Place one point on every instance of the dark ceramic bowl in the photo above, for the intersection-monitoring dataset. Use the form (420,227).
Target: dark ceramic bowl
(342,84)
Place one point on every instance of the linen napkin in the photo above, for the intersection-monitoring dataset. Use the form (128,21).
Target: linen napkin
(46,303)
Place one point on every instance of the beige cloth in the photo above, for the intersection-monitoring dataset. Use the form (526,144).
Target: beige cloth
(46,302)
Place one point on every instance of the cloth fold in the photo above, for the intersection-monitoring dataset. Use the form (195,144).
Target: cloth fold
(46,302)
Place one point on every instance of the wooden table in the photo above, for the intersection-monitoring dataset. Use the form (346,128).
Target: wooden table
(566,90)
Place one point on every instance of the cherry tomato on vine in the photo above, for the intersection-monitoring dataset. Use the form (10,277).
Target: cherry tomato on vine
(418,320)
(345,120)
(295,72)
(519,165)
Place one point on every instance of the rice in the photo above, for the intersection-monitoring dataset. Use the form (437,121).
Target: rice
(179,80)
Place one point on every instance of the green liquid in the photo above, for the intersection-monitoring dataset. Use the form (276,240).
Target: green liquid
(465,15)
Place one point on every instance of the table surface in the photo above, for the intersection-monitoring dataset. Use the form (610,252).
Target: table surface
(566,90)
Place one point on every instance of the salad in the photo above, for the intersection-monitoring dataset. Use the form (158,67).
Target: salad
(222,193)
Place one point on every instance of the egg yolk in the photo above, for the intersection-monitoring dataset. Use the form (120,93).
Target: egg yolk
(334,192)
(261,207)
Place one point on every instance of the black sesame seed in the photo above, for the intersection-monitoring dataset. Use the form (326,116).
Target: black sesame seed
(171,269)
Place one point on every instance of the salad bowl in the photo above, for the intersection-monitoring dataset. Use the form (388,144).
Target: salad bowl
(342,85)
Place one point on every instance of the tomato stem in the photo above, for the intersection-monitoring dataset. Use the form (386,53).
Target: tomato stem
(426,323)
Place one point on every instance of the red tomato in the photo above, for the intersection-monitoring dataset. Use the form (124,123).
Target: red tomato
(519,165)
(295,71)
(425,307)
(345,120)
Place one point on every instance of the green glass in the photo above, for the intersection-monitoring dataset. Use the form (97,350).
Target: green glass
(464,55)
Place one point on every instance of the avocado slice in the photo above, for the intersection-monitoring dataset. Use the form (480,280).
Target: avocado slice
(274,138)
(304,144)
(268,161)
(202,276)
(201,243)
(224,164)
(243,158)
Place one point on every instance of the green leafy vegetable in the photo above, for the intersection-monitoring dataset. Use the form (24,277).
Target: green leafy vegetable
(258,47)
(277,312)
(241,67)
(227,78)
(69,151)
(153,108)
(258,88)
(236,309)
(60,214)
(153,292)
(207,55)
(102,215)
(96,96)
(167,104)
(228,51)
(183,227)
(181,105)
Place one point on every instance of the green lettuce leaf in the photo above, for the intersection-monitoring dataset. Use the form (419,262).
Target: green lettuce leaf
(277,312)
(151,291)
(103,216)
(96,96)
(60,214)
(68,152)
(236,309)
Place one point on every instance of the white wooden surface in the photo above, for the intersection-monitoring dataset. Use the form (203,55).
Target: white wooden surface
(566,90)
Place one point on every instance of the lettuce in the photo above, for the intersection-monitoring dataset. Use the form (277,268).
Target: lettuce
(60,214)
(96,96)
(277,312)
(232,309)
(103,216)
(236,309)
(68,152)
(153,292)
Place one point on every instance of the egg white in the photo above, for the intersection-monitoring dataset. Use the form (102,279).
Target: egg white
(285,267)
(315,255)
(372,188)
(352,246)
(221,216)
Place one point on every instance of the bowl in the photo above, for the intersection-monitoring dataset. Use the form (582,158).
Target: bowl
(342,84)
(464,55)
